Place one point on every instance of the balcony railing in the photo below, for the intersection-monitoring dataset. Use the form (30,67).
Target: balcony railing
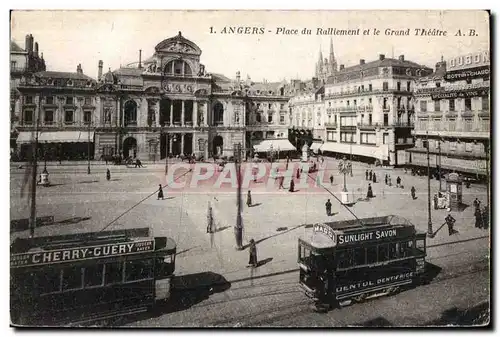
(408,124)
(331,125)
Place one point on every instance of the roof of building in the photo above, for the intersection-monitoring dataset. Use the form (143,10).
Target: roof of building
(15,47)
(61,74)
(128,71)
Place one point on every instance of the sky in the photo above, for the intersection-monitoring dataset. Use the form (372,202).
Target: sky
(69,38)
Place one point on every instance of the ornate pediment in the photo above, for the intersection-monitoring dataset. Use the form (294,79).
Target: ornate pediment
(178,44)
(107,87)
(153,91)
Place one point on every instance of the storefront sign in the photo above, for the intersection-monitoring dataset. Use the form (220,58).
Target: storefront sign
(460,94)
(469,61)
(80,253)
(352,287)
(467,74)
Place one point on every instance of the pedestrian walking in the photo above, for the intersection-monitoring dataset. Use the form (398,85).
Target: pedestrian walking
(369,194)
(331,179)
(413,192)
(328,206)
(252,261)
(485,217)
(366,175)
(370,175)
(108,175)
(477,204)
(210,219)
(450,221)
(249,199)
(298,174)
(386,178)
(292,186)
(160,193)
(255,177)
(398,182)
(390,180)
(281,179)
(479,218)
(374,178)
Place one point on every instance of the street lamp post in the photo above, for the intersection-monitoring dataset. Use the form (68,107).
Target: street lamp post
(88,148)
(344,169)
(439,168)
(429,223)
(238,229)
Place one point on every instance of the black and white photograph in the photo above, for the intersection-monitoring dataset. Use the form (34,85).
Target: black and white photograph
(250,168)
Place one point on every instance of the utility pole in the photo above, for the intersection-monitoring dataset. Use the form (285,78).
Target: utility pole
(33,181)
(439,170)
(238,229)
(429,223)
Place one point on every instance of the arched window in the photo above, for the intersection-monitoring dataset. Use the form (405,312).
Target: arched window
(218,114)
(130,112)
(178,67)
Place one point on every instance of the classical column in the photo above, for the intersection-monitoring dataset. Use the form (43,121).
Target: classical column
(195,113)
(182,113)
(182,138)
(157,113)
(205,114)
(183,68)
(193,147)
(171,113)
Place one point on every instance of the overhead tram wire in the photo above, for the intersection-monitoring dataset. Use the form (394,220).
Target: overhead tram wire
(144,199)
(340,202)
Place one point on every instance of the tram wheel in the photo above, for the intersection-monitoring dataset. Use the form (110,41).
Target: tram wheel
(360,298)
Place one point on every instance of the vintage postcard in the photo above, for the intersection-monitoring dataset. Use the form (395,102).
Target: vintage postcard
(232,168)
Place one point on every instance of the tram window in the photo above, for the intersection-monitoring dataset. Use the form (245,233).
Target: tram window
(305,253)
(420,244)
(393,251)
(371,254)
(114,273)
(383,252)
(93,275)
(359,256)
(49,281)
(406,249)
(344,258)
(138,270)
(72,278)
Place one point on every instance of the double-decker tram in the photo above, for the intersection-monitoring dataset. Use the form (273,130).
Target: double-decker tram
(355,260)
(84,278)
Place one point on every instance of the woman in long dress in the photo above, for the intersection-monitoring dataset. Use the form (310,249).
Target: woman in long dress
(370,192)
(252,261)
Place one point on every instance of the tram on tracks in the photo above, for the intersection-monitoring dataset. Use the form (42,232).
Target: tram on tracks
(355,260)
(78,279)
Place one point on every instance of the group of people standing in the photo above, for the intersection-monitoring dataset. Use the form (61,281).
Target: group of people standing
(481,215)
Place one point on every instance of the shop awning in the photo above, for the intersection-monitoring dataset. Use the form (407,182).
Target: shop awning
(56,137)
(275,144)
(330,146)
(25,137)
(315,147)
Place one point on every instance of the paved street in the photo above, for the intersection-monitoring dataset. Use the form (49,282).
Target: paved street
(81,202)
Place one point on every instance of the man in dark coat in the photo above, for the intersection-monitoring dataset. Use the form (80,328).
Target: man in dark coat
(413,191)
(252,261)
(328,206)
(370,175)
(450,221)
(249,199)
(477,203)
(298,174)
(160,193)
(331,179)
(292,186)
(374,178)
(386,178)
(369,194)
(479,218)
(108,175)
(366,175)
(398,182)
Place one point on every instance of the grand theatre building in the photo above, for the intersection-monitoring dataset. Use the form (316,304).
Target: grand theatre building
(165,105)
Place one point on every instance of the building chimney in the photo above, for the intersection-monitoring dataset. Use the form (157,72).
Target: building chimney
(31,42)
(362,61)
(99,71)
(381,57)
(341,67)
(238,77)
(27,43)
(401,57)
(140,58)
(79,69)
(36,49)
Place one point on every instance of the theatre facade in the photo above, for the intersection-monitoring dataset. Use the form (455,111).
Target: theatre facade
(167,104)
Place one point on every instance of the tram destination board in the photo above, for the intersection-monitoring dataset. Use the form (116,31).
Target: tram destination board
(361,236)
(80,253)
